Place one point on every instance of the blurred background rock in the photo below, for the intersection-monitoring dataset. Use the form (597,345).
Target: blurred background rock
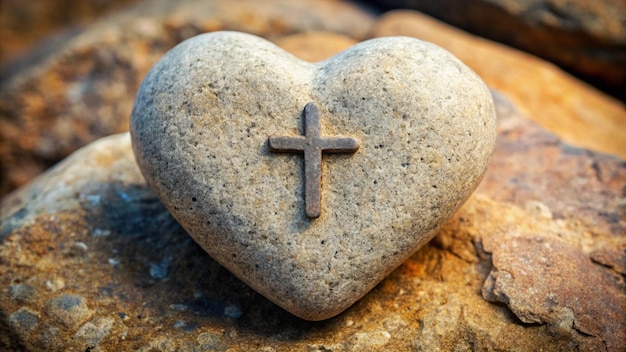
(587,38)
(24,24)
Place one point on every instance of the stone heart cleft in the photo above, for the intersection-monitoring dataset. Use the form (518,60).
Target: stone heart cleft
(203,122)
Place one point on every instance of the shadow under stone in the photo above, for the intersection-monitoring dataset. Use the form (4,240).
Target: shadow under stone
(173,277)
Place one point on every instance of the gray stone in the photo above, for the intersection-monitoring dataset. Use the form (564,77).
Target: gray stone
(200,125)
(23,320)
(210,341)
(528,276)
(92,332)
(69,310)
(159,270)
(22,293)
(232,311)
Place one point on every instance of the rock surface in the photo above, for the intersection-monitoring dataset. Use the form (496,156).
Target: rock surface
(91,228)
(84,87)
(315,46)
(200,128)
(24,23)
(585,36)
(556,100)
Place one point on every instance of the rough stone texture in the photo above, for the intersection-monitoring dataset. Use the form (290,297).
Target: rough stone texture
(23,320)
(83,87)
(69,310)
(566,300)
(426,125)
(93,224)
(90,334)
(586,36)
(582,115)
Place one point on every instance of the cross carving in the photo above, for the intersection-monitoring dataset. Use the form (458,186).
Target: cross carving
(312,144)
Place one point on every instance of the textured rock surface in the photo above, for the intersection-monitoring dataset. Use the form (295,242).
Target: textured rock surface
(586,36)
(92,228)
(84,87)
(566,299)
(582,115)
(201,142)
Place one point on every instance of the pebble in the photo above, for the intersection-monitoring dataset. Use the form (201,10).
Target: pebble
(23,320)
(22,293)
(210,341)
(159,270)
(55,284)
(101,233)
(233,311)
(78,249)
(363,340)
(69,310)
(92,332)
(425,126)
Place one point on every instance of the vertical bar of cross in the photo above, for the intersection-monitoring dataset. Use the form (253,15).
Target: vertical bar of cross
(312,145)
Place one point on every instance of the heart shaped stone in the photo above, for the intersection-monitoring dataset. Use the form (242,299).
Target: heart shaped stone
(220,131)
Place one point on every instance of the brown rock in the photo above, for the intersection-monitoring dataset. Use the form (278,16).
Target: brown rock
(23,23)
(610,257)
(84,88)
(69,310)
(585,36)
(545,280)
(578,113)
(315,46)
(92,223)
